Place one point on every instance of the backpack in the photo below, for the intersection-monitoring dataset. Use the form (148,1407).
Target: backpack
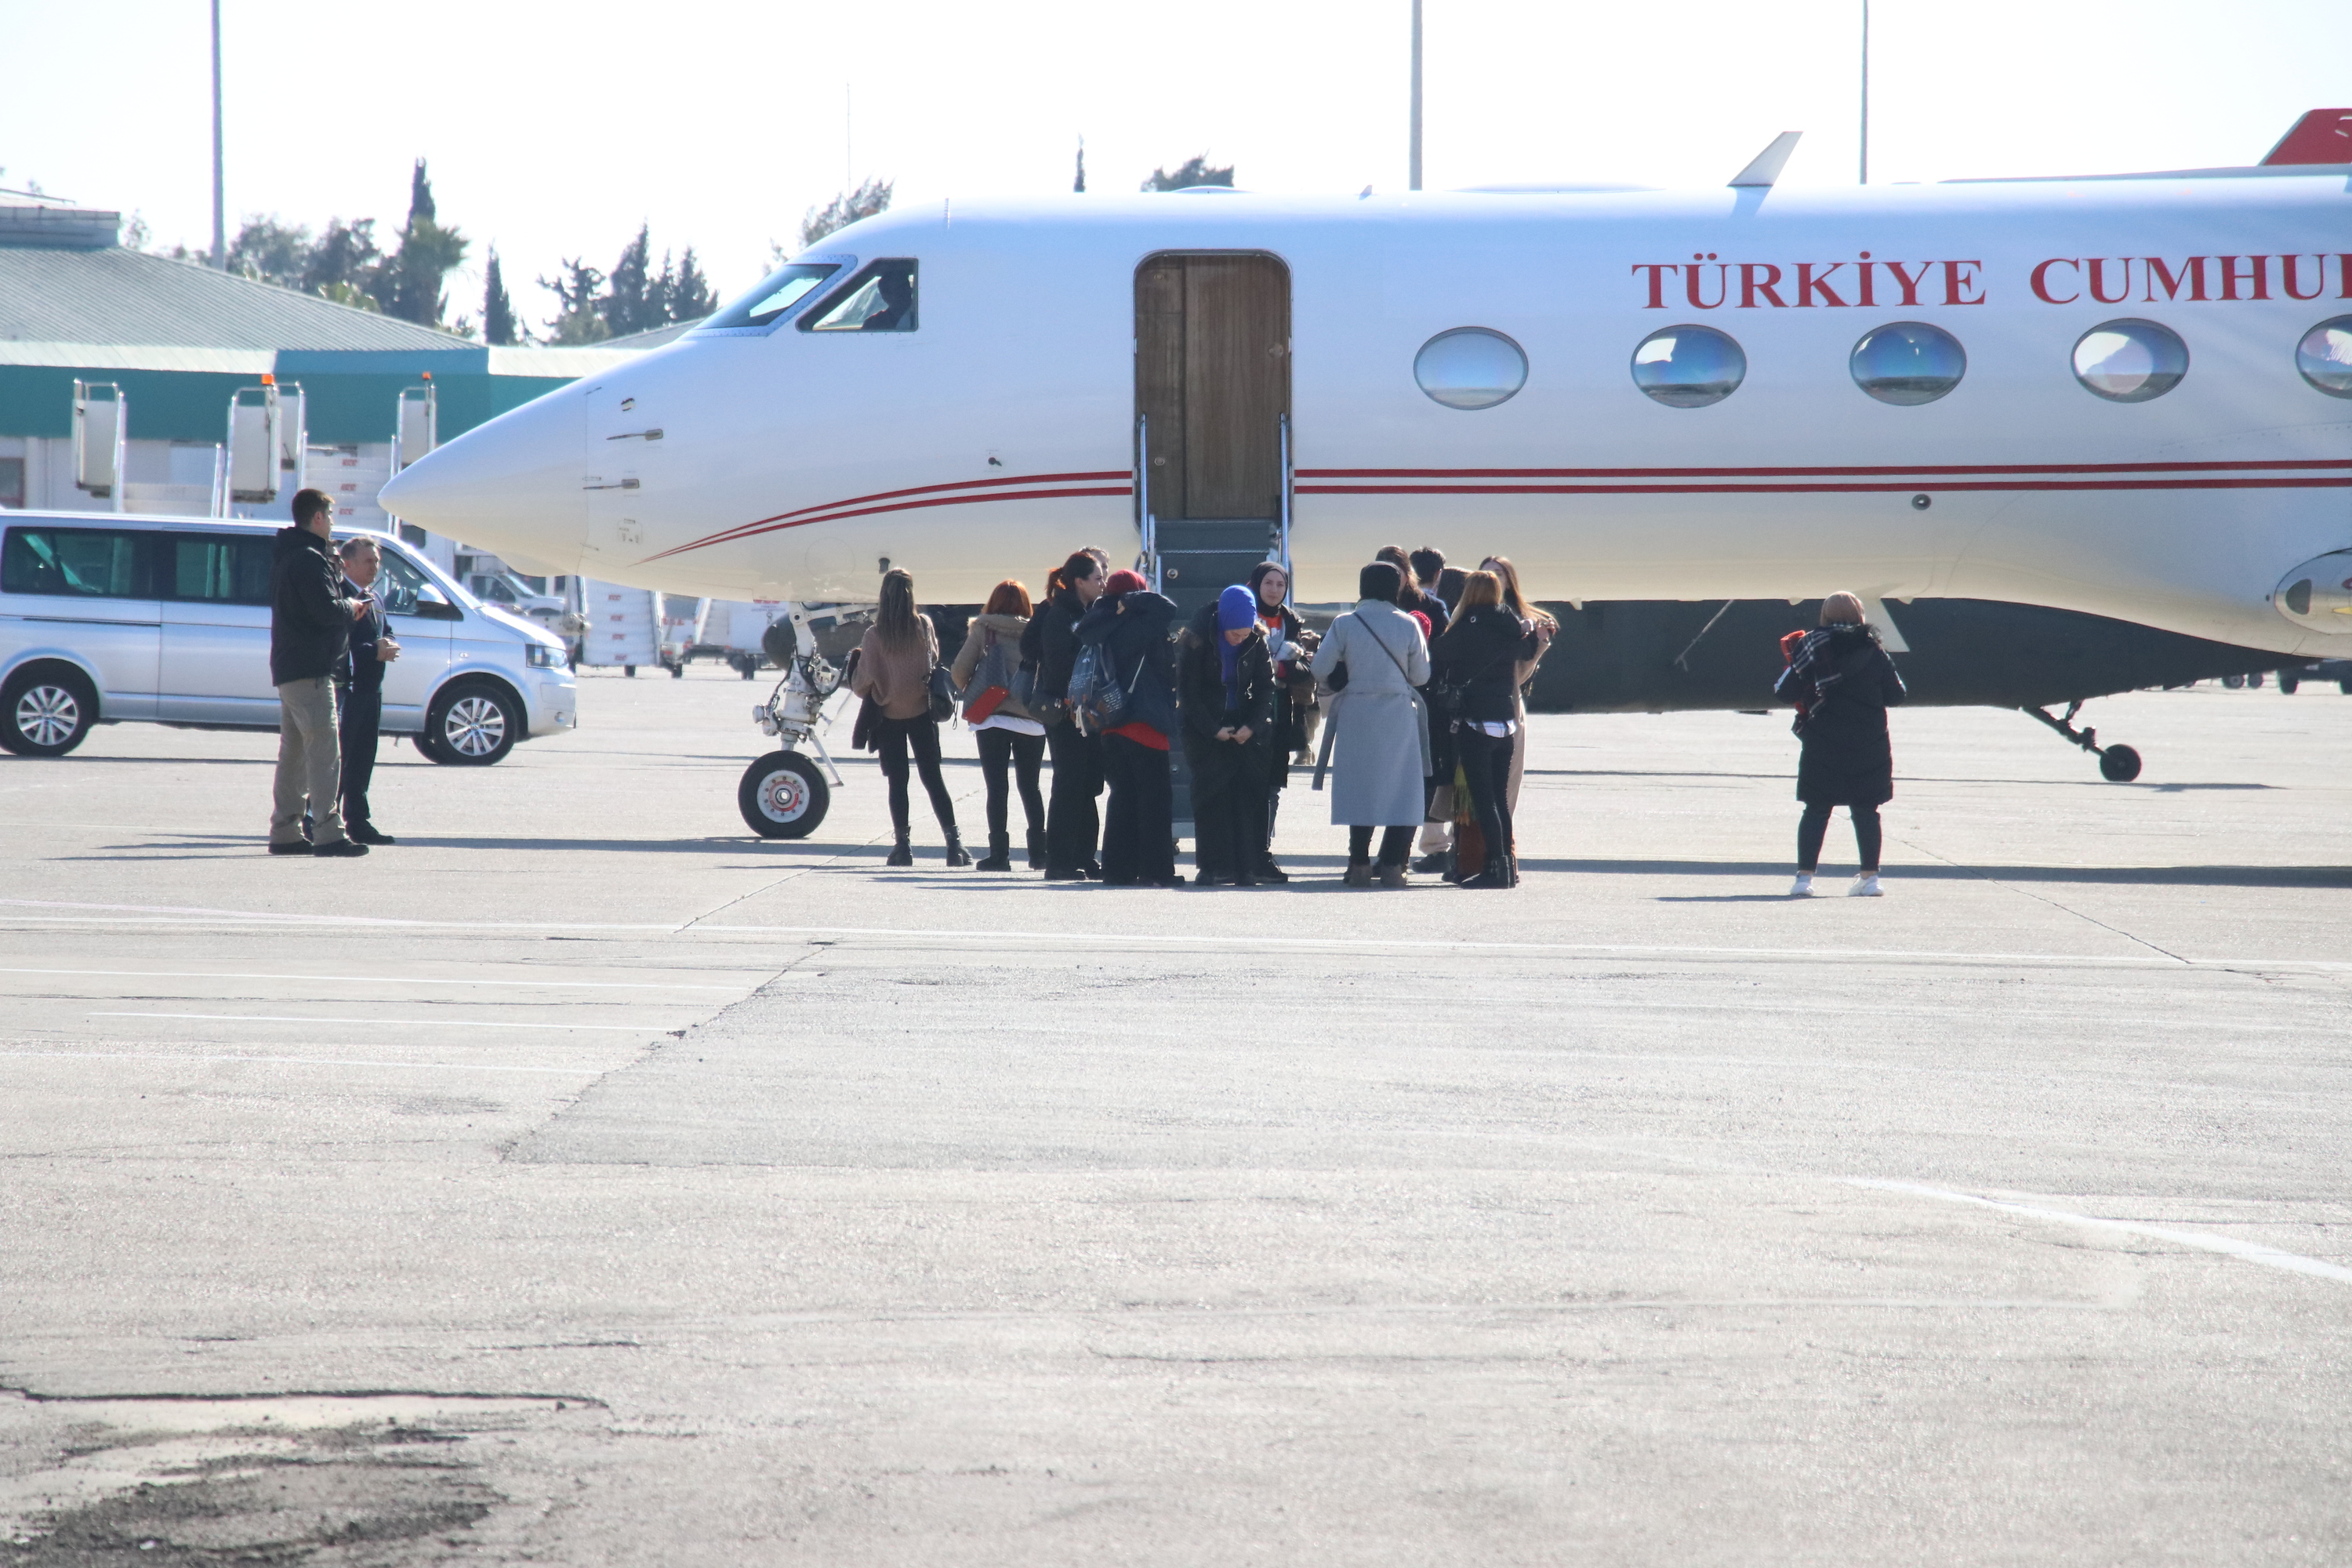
(992,682)
(1097,700)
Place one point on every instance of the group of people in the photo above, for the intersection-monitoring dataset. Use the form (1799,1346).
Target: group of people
(329,642)
(1418,691)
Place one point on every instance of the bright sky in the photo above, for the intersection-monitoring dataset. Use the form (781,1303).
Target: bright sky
(554,131)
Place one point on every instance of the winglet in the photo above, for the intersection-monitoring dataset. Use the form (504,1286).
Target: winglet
(1766,165)
(2322,136)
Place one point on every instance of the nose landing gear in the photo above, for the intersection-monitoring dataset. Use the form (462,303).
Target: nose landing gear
(2118,764)
(782,794)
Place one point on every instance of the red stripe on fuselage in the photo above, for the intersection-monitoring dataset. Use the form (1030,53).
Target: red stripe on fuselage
(1761,489)
(790,519)
(761,524)
(2289,464)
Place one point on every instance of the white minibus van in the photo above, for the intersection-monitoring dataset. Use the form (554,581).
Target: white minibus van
(105,617)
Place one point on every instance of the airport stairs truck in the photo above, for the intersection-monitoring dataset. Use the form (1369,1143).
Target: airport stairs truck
(626,627)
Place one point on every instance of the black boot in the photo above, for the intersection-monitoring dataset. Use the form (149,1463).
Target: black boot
(1037,849)
(1000,854)
(1512,860)
(902,853)
(956,854)
(1497,873)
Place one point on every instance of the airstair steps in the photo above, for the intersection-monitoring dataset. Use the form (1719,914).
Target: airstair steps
(1199,557)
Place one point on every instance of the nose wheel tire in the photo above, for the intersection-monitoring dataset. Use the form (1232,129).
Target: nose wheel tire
(783,795)
(2119,764)
(44,714)
(471,725)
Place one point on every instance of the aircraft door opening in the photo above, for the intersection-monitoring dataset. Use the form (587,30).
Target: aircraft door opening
(1213,390)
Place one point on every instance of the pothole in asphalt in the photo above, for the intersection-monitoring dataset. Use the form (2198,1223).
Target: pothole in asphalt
(325,1482)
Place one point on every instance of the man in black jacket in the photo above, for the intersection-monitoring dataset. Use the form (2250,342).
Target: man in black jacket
(310,617)
(361,680)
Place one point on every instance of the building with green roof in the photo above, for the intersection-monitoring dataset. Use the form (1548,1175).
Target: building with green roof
(180,340)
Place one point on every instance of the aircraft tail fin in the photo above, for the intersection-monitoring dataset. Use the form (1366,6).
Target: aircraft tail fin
(1765,167)
(2322,136)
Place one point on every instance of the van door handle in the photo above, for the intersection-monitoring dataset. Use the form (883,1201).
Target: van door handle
(653,434)
(628,484)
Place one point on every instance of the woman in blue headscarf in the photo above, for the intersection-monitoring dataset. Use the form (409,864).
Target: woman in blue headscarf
(1225,689)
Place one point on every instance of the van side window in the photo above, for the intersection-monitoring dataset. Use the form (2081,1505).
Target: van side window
(219,568)
(91,562)
(881,299)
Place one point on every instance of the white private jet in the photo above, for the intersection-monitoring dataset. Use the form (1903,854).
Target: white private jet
(2125,396)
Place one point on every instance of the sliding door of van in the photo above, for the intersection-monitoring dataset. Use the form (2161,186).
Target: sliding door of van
(86,594)
(217,628)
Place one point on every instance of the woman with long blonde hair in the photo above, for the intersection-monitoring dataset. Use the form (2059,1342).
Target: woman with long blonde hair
(1479,656)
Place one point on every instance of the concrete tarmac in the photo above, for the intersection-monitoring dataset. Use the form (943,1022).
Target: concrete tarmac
(585,1181)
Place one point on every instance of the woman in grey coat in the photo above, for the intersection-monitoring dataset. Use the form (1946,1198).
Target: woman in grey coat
(1379,729)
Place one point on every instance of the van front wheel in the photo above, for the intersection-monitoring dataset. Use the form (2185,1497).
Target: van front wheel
(472,724)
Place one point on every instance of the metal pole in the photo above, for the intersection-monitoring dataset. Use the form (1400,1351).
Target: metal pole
(1412,173)
(220,216)
(1865,91)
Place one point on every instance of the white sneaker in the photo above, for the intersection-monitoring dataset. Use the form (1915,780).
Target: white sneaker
(1867,887)
(1802,887)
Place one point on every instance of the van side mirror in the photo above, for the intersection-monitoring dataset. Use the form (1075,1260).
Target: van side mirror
(432,605)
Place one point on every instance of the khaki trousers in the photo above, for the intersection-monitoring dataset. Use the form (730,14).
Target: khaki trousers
(310,764)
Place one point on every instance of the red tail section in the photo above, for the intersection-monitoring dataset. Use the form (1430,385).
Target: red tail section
(2322,136)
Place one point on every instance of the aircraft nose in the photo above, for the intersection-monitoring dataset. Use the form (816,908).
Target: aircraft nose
(513,482)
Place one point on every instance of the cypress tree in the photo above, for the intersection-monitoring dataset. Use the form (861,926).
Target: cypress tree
(498,311)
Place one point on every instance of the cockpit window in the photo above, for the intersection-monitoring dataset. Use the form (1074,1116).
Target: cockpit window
(776,297)
(879,299)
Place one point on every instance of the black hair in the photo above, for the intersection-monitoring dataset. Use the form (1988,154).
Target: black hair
(308,504)
(1082,564)
(1380,580)
(1428,563)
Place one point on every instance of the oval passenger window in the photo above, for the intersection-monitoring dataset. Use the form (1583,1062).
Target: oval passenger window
(1908,362)
(2324,357)
(1470,367)
(2130,361)
(1689,366)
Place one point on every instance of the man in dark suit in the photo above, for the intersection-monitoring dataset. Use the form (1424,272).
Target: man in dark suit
(371,647)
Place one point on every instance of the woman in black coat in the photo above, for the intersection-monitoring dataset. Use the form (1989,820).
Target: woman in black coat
(1050,643)
(1842,684)
(1289,645)
(1479,656)
(1129,622)
(1226,690)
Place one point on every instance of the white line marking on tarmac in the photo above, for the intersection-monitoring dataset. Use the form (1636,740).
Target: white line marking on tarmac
(211,1056)
(1181,938)
(378,979)
(2229,1246)
(384,1023)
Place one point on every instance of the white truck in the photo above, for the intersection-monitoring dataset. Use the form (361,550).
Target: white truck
(737,632)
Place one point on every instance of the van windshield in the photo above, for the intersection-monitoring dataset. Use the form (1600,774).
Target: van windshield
(775,298)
